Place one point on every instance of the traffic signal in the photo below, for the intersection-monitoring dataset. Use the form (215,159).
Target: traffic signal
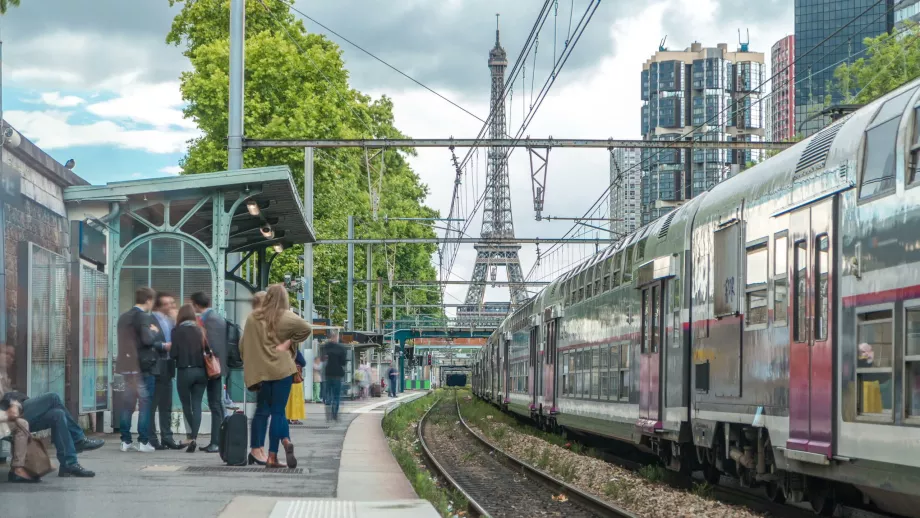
(429,359)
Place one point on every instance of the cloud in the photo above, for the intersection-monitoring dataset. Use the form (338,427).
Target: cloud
(157,105)
(56,100)
(53,130)
(173,169)
(137,175)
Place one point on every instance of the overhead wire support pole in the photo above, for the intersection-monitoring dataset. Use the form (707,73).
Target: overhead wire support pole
(237,66)
(513,241)
(350,309)
(514,143)
(368,318)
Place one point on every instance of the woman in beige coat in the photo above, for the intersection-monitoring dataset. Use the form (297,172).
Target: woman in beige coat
(12,424)
(268,366)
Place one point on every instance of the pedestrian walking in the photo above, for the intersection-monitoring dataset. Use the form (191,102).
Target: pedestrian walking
(392,373)
(295,409)
(215,327)
(317,379)
(139,345)
(268,366)
(333,373)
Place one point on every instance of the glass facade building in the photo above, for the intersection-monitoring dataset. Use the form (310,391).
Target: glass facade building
(704,94)
(816,20)
(625,177)
(782,99)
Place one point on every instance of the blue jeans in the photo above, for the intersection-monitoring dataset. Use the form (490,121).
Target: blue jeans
(139,390)
(334,396)
(271,402)
(47,411)
(393,386)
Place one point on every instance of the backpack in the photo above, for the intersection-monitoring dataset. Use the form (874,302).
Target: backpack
(234,358)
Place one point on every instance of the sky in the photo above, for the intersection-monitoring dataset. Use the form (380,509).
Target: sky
(96,82)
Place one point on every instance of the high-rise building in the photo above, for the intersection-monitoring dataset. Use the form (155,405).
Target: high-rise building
(625,179)
(782,98)
(711,92)
(906,10)
(816,20)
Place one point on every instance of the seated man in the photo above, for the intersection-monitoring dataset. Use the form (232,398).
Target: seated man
(47,412)
(18,428)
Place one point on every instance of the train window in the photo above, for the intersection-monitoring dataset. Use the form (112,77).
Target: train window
(595,372)
(608,269)
(822,250)
(627,268)
(566,293)
(604,372)
(912,359)
(589,278)
(623,391)
(756,287)
(617,263)
(598,273)
(800,328)
(646,315)
(571,355)
(614,364)
(655,326)
(879,162)
(780,280)
(727,270)
(874,334)
(581,287)
(914,166)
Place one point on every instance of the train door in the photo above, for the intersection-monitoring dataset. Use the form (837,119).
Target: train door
(811,358)
(653,298)
(549,366)
(536,361)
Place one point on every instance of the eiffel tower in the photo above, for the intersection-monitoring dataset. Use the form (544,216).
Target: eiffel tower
(497,223)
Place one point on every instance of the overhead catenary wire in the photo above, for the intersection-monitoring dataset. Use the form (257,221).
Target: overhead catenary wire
(381,60)
(693,130)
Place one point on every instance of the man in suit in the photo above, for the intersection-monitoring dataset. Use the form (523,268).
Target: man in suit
(139,347)
(215,327)
(164,310)
(336,358)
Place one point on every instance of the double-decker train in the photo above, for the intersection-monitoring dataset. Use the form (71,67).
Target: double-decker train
(768,329)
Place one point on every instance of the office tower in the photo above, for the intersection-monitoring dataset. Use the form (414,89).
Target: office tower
(782,98)
(625,181)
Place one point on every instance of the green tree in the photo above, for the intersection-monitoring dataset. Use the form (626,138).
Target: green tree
(892,59)
(297,87)
(6,4)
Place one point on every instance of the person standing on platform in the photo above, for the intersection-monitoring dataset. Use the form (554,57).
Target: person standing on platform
(317,378)
(216,332)
(138,363)
(295,409)
(392,373)
(268,367)
(164,311)
(334,372)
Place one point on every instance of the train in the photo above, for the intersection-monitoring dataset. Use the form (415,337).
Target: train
(766,330)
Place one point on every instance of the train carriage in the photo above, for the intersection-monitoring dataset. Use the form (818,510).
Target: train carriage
(768,329)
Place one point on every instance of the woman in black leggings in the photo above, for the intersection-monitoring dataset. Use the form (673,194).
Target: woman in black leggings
(192,378)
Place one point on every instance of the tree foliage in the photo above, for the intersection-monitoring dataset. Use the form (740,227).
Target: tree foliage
(6,4)
(296,86)
(892,60)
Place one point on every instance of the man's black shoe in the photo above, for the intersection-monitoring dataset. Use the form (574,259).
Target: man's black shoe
(212,448)
(89,444)
(171,444)
(157,446)
(75,470)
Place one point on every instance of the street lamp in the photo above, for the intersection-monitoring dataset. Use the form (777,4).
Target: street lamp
(329,297)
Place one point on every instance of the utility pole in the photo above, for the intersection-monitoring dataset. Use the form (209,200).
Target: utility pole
(237,65)
(349,324)
(308,247)
(368,316)
(3,322)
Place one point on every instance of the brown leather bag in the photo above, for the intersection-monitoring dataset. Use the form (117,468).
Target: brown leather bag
(211,361)
(38,463)
(298,376)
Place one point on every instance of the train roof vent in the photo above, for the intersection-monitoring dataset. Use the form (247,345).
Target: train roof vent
(816,152)
(663,231)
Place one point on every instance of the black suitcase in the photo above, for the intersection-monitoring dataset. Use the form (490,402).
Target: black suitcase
(234,443)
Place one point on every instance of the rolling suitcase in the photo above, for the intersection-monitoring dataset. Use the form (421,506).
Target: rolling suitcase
(234,435)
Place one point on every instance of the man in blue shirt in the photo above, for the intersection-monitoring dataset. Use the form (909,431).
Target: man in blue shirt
(164,311)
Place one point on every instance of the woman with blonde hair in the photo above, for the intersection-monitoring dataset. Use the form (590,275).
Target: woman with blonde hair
(268,366)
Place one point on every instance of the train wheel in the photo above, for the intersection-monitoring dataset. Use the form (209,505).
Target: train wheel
(711,474)
(821,497)
(774,492)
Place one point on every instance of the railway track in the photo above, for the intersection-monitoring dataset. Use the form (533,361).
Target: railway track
(495,483)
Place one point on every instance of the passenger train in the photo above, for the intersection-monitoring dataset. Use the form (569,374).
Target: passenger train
(768,329)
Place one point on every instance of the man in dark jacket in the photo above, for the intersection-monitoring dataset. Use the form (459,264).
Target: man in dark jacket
(164,312)
(138,363)
(336,358)
(215,327)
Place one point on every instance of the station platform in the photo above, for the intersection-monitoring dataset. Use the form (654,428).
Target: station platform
(345,469)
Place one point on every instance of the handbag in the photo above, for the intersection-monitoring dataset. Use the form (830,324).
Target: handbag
(298,376)
(38,463)
(211,361)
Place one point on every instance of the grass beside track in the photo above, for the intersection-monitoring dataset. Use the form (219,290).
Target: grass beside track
(400,428)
